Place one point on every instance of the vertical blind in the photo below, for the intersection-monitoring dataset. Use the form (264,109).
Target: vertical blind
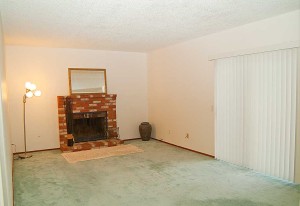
(256,111)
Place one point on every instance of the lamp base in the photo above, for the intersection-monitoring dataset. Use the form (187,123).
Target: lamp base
(25,155)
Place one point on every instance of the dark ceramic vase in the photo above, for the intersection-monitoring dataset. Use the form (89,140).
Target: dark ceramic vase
(145,131)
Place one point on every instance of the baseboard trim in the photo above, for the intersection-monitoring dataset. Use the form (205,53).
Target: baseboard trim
(42,150)
(131,139)
(184,148)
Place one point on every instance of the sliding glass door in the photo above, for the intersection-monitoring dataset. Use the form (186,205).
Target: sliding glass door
(256,111)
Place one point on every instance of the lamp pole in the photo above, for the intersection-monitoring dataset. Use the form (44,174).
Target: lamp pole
(30,92)
(24,155)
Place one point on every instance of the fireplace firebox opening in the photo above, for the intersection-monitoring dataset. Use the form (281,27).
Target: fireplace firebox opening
(89,126)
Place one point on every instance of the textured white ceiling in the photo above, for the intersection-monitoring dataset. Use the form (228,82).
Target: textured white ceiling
(127,25)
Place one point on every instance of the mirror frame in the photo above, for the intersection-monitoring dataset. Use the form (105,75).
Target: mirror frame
(85,69)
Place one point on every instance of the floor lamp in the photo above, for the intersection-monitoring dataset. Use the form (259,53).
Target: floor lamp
(30,92)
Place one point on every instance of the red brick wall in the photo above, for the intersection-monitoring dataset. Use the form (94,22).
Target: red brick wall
(86,103)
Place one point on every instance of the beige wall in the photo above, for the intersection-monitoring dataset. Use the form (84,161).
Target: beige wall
(5,152)
(48,68)
(181,79)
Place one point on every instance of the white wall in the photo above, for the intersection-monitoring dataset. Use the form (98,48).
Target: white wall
(5,152)
(48,68)
(181,79)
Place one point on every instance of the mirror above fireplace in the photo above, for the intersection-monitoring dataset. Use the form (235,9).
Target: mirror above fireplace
(87,81)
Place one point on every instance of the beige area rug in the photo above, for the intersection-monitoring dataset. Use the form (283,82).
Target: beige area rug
(119,150)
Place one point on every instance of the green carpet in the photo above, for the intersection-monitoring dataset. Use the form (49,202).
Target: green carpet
(163,175)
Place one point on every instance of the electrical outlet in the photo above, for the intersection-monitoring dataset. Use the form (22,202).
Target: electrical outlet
(187,136)
(169,131)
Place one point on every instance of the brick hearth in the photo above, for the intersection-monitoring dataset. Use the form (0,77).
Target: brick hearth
(88,103)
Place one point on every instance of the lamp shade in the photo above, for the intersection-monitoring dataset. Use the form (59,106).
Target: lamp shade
(29,94)
(37,93)
(33,87)
(28,85)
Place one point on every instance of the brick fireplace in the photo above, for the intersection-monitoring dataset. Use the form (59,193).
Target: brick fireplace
(78,113)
